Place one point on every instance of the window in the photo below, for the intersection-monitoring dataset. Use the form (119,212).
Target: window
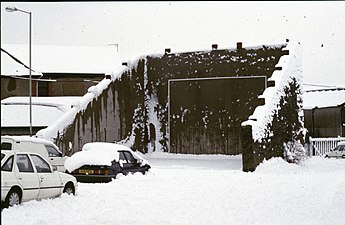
(43,88)
(339,148)
(41,165)
(130,157)
(6,146)
(24,163)
(52,152)
(2,155)
(8,165)
(122,158)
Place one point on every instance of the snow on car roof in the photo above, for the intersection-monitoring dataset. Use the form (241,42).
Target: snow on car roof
(96,153)
(19,138)
(104,145)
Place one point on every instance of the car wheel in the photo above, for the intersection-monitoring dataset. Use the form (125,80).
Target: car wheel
(13,198)
(326,156)
(69,189)
(343,156)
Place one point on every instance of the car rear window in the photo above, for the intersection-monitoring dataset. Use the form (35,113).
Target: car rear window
(2,155)
(6,146)
(8,165)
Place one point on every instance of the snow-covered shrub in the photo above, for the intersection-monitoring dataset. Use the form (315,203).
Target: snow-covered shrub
(294,152)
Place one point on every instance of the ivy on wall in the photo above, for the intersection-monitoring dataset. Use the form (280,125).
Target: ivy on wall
(286,126)
(147,81)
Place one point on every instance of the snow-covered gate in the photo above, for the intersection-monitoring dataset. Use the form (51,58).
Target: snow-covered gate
(320,146)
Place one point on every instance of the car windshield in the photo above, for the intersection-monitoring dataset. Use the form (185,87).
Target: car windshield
(339,148)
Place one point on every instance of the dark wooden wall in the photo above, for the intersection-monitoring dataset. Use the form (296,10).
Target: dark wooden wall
(325,122)
(206,115)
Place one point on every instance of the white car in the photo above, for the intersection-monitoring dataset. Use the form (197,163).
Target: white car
(337,152)
(27,176)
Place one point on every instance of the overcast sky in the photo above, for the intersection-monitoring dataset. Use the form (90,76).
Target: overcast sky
(150,27)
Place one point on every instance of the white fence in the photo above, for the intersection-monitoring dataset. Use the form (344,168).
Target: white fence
(320,146)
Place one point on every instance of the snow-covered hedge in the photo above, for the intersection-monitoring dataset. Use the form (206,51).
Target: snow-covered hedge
(279,120)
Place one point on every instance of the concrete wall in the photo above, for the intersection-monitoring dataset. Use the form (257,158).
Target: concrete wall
(100,121)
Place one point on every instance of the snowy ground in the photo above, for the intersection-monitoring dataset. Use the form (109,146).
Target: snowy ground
(187,189)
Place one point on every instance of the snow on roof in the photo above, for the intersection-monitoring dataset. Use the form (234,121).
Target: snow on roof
(45,110)
(28,138)
(98,153)
(66,59)
(13,66)
(323,98)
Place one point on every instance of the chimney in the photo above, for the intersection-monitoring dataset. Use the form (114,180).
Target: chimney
(239,45)
(167,50)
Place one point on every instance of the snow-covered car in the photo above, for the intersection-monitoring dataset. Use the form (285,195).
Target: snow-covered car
(337,152)
(103,161)
(28,176)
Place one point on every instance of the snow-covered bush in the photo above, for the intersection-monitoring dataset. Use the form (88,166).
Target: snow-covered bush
(294,152)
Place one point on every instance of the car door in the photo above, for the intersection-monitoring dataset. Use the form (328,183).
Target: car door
(27,177)
(56,158)
(49,181)
(8,176)
(336,152)
(341,150)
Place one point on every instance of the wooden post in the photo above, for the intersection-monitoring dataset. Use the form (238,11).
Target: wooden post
(248,159)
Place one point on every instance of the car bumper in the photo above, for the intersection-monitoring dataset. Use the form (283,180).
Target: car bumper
(83,178)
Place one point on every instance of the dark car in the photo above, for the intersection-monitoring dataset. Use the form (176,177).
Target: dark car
(102,162)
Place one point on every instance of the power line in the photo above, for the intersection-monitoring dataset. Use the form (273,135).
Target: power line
(326,86)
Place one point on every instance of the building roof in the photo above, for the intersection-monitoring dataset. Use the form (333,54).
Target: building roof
(12,66)
(323,98)
(65,59)
(45,110)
